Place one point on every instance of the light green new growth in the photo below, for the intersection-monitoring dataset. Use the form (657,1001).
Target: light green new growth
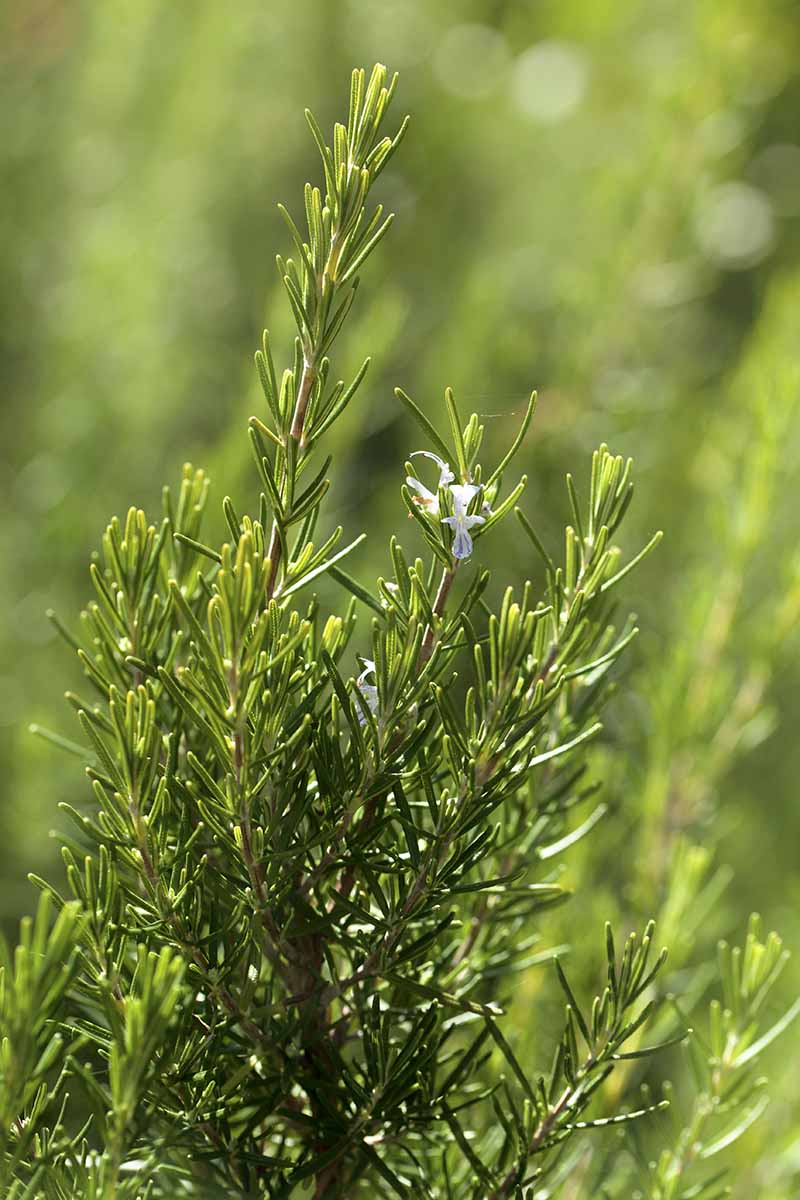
(320,843)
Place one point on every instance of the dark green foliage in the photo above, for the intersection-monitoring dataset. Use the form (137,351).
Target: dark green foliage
(321,840)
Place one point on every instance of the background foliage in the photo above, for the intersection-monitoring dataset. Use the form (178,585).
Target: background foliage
(599,201)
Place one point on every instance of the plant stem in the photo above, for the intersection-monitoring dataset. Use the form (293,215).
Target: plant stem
(275,552)
(297,430)
(445,583)
(544,1129)
(307,380)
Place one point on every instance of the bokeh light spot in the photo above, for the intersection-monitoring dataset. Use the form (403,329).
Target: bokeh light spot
(471,61)
(549,81)
(665,284)
(721,132)
(734,225)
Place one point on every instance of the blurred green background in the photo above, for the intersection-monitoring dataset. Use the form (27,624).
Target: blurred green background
(597,198)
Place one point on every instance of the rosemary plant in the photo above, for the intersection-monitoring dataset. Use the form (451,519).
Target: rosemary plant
(321,843)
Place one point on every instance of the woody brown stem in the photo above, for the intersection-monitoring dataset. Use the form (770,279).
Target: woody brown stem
(307,379)
(541,1132)
(445,583)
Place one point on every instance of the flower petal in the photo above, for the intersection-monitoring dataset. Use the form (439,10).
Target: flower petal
(445,474)
(463,494)
(462,543)
(369,669)
(370,694)
(426,497)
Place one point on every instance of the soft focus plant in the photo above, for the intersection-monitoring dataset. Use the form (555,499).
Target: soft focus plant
(320,850)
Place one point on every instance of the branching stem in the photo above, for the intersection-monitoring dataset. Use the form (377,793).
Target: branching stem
(445,583)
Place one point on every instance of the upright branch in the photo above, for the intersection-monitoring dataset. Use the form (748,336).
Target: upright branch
(321,285)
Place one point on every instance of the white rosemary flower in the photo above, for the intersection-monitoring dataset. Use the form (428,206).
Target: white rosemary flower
(461,522)
(425,497)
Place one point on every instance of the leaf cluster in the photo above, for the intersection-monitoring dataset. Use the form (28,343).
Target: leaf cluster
(299,902)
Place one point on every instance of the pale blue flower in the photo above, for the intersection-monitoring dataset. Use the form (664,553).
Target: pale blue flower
(368,690)
(425,497)
(461,521)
